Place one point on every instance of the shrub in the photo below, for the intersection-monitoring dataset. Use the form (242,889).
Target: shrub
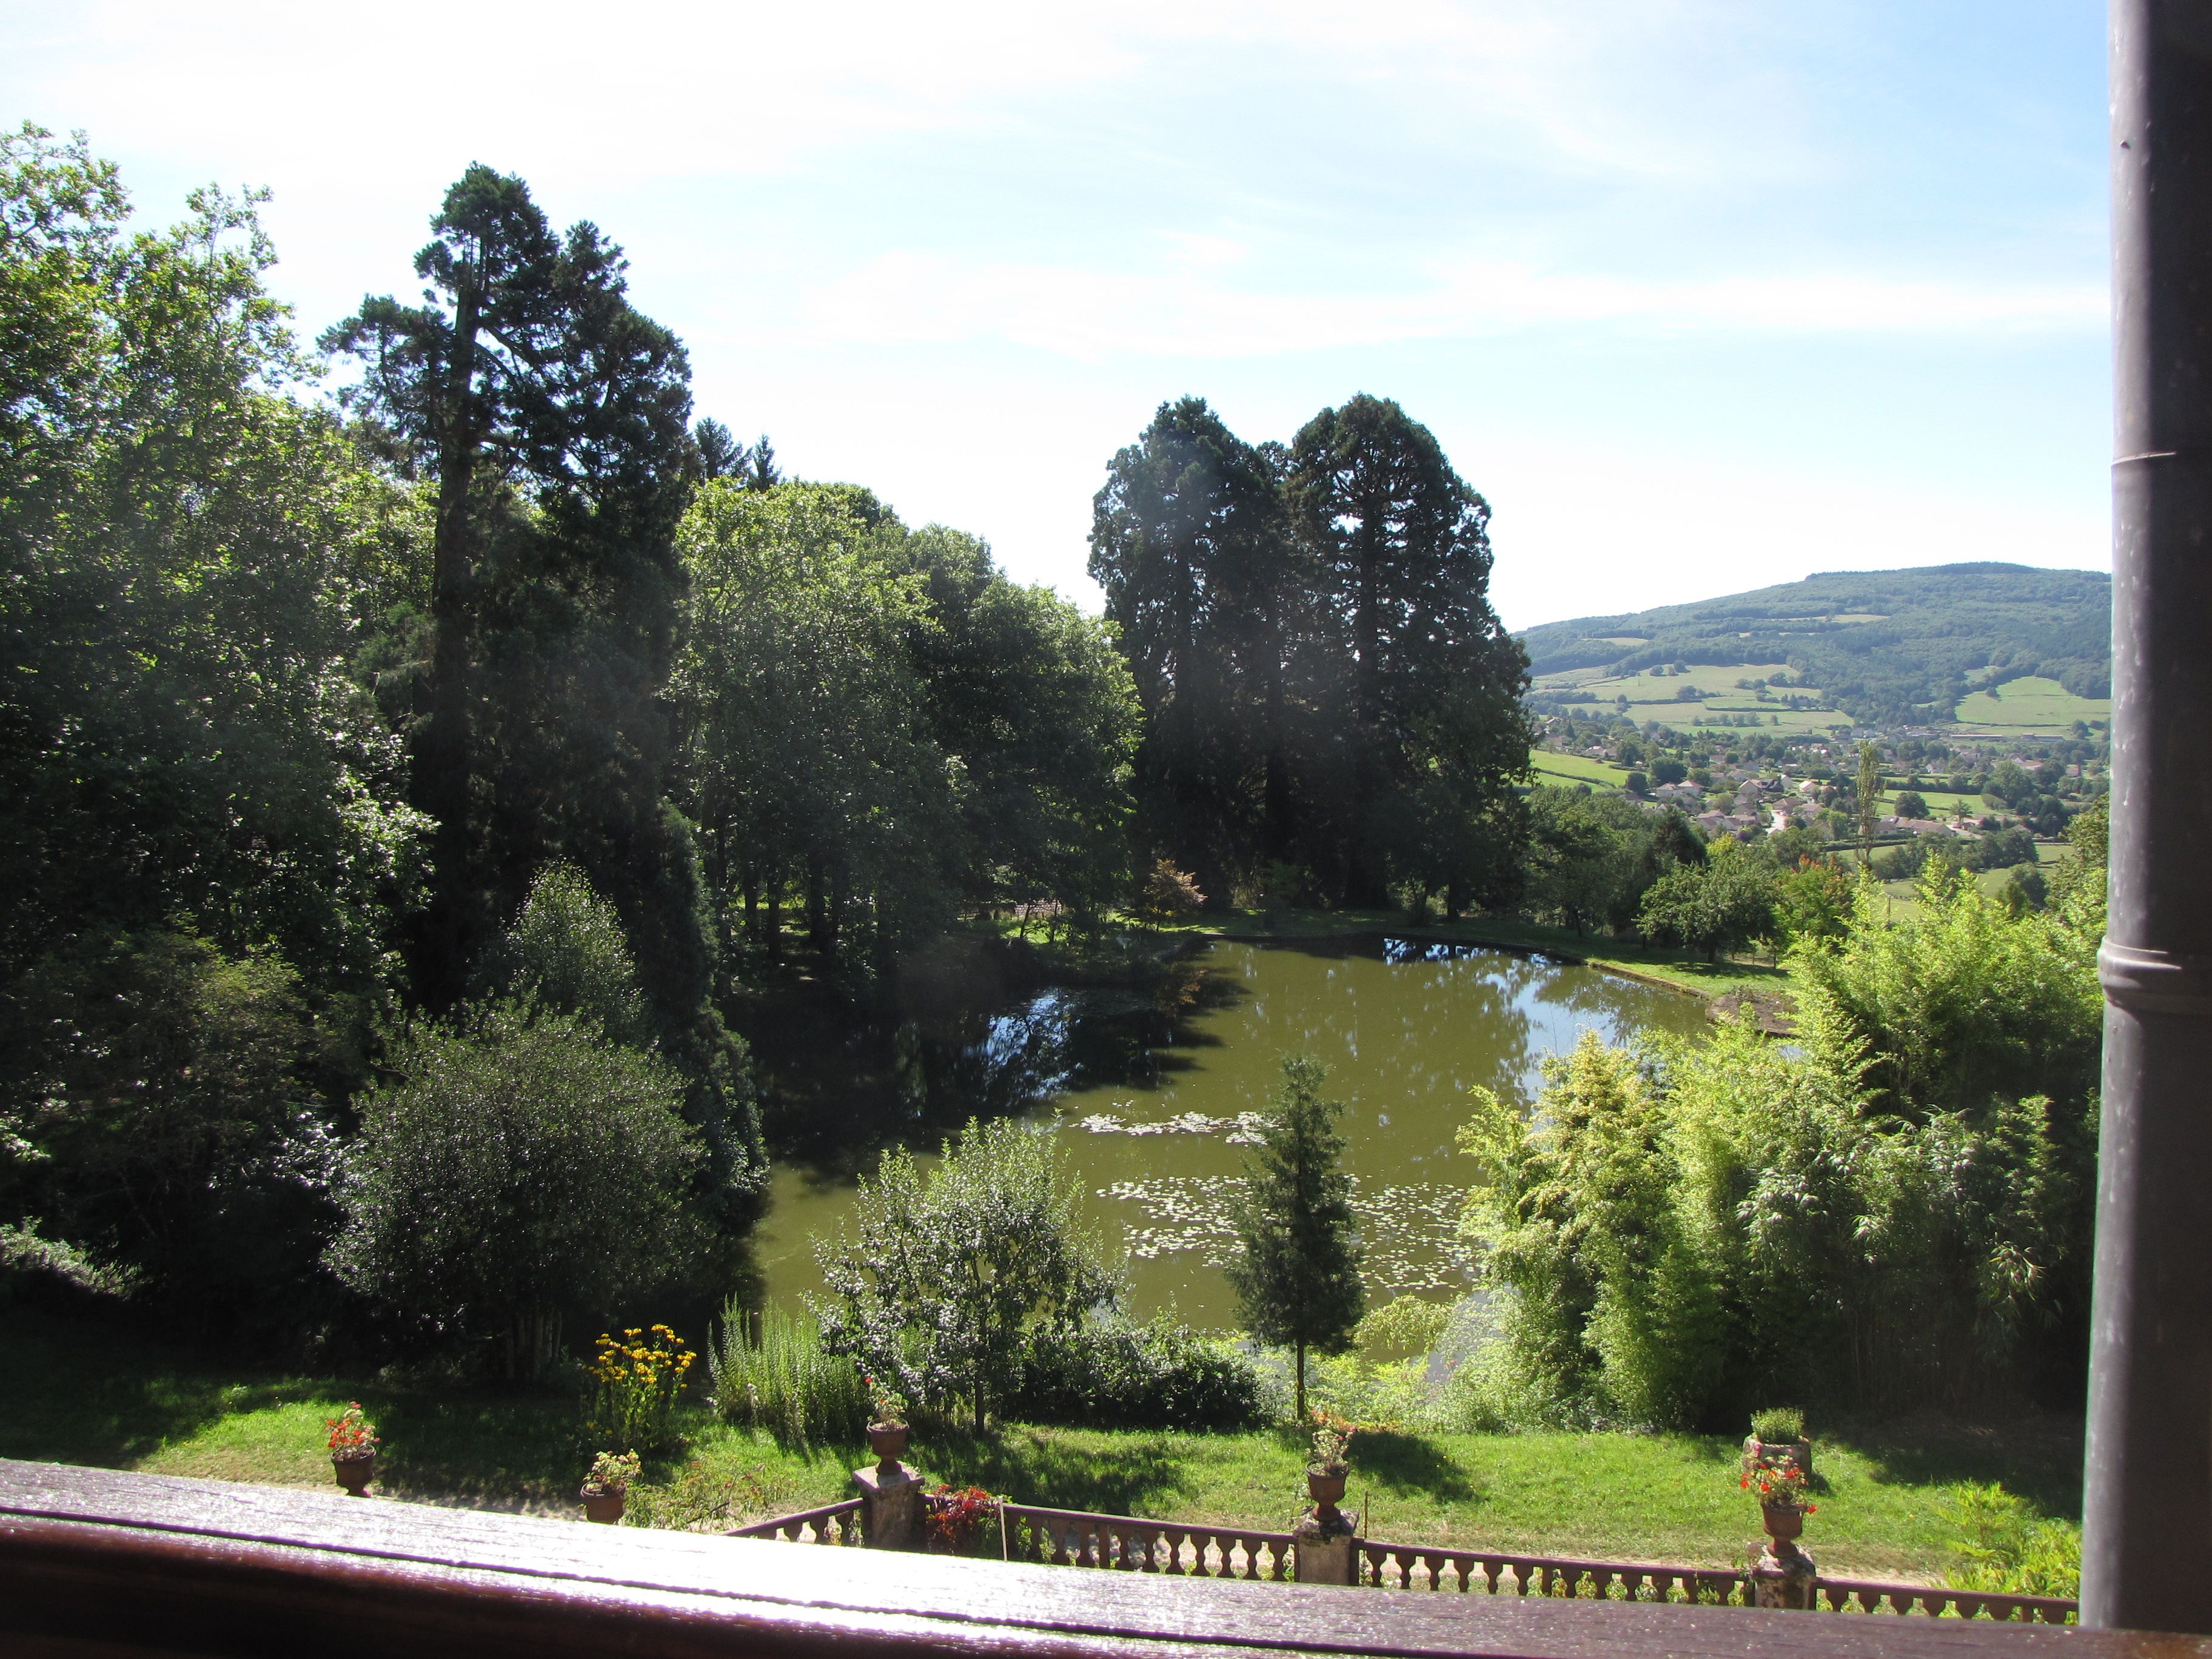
(951,1275)
(1167,893)
(567,952)
(1109,1374)
(53,1270)
(1777,1424)
(520,1170)
(1406,1326)
(777,1377)
(2002,1545)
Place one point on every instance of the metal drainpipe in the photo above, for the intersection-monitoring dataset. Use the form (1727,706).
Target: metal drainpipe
(2147,1543)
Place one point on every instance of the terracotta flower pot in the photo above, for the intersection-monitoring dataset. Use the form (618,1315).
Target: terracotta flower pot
(1325,1488)
(888,1442)
(603,1505)
(1785,1521)
(354,1473)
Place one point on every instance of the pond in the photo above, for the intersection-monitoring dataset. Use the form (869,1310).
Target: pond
(1153,1092)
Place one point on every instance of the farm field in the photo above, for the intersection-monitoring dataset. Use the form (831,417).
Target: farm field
(2030,705)
(105,1398)
(1658,697)
(1554,768)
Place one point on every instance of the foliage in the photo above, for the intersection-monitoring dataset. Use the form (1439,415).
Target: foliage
(773,1374)
(1813,902)
(949,1277)
(1404,1325)
(567,952)
(1296,1275)
(1777,1426)
(36,1267)
(1723,904)
(635,1380)
(1783,1486)
(518,1171)
(350,1432)
(1885,1216)
(887,1406)
(1110,1374)
(1167,893)
(1331,1444)
(1310,632)
(612,1472)
(958,1514)
(878,724)
(1592,859)
(2004,1546)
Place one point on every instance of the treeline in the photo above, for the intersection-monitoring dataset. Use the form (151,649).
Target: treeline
(395,783)
(1893,1210)
(1332,708)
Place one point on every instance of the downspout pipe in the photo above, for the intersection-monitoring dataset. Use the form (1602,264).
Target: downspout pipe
(2147,1516)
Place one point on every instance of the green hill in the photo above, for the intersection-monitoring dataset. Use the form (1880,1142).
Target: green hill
(1880,646)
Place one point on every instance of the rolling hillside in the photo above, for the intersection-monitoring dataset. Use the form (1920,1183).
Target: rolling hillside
(1879,646)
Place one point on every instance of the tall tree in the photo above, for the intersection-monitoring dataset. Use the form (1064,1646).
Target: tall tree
(1297,1279)
(550,420)
(720,455)
(1187,540)
(1436,680)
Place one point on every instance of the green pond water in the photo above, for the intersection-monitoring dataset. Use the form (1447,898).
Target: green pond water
(1151,1092)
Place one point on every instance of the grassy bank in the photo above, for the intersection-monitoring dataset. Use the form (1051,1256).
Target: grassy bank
(81,1393)
(1685,970)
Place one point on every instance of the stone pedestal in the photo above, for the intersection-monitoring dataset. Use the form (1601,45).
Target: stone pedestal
(1783,1576)
(890,1506)
(1327,1548)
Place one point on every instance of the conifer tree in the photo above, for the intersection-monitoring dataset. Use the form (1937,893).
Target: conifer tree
(1298,1280)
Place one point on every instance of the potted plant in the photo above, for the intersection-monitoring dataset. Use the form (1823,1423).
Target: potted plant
(1778,1435)
(887,1426)
(606,1488)
(1782,1489)
(353,1448)
(958,1515)
(1326,1469)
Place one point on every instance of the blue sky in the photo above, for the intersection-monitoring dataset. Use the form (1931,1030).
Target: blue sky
(1700,296)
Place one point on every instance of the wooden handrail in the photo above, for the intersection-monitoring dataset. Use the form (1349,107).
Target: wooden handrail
(95,1562)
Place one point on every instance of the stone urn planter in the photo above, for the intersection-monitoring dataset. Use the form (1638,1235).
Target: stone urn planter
(603,1505)
(888,1442)
(1785,1522)
(354,1472)
(1775,1454)
(1326,1488)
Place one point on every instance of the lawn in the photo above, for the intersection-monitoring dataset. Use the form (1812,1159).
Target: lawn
(84,1393)
(2033,704)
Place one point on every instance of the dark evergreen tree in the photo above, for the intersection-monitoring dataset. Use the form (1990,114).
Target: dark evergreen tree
(720,455)
(551,420)
(1298,1277)
(1187,539)
(758,465)
(1435,730)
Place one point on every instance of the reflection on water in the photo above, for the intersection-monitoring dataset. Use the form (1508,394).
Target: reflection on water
(1155,1091)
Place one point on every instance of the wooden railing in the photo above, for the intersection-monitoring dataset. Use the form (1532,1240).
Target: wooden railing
(1074,1538)
(1431,1567)
(833,1523)
(99,1565)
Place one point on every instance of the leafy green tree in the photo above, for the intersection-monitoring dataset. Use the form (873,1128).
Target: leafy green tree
(1721,904)
(549,419)
(1813,901)
(521,1172)
(203,852)
(566,952)
(1296,1275)
(949,1277)
(1910,804)
(1870,797)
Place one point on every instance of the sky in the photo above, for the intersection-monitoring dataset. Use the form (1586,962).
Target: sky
(1701,295)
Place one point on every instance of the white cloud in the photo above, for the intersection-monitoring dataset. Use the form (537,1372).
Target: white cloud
(1181,313)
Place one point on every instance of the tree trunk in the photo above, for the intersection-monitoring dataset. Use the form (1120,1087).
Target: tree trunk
(1301,1382)
(443,750)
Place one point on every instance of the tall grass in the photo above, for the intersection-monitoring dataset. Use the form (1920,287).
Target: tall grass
(770,1372)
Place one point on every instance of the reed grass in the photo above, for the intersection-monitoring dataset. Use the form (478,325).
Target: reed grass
(771,1372)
